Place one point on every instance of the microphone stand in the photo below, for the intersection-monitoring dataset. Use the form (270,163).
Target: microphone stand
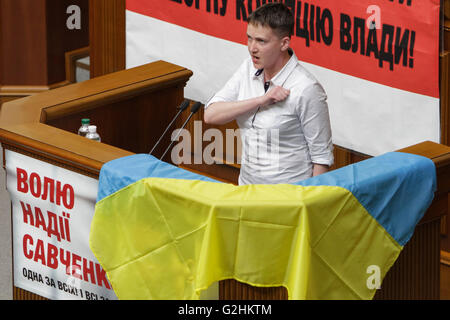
(181,108)
(194,109)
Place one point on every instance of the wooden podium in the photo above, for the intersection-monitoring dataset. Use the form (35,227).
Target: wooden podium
(132,109)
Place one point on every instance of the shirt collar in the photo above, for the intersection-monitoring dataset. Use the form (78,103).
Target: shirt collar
(282,75)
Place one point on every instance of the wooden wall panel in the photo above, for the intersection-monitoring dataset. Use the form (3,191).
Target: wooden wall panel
(60,39)
(24,44)
(20,294)
(416,273)
(34,38)
(445,275)
(33,41)
(235,290)
(107,32)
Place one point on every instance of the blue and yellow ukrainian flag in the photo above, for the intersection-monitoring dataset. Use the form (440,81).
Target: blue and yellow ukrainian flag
(161,232)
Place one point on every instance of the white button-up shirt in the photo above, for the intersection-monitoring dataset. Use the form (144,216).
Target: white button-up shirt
(280,142)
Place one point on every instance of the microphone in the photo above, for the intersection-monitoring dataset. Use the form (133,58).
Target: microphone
(194,109)
(181,108)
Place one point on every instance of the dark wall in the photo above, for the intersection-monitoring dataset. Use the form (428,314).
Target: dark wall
(34,39)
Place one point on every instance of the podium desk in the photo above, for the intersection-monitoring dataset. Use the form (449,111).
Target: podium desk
(131,109)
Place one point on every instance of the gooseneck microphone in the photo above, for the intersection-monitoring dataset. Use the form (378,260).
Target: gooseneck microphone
(181,108)
(194,109)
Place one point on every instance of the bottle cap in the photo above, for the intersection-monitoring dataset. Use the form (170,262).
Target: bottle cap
(92,129)
(85,121)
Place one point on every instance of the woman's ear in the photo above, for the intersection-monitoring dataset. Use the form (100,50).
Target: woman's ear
(285,43)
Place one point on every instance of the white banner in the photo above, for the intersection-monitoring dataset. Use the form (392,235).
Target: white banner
(373,110)
(52,209)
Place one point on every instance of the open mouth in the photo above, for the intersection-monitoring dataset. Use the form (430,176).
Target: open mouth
(255,59)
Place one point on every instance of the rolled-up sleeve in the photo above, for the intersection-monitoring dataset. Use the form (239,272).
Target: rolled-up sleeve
(315,120)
